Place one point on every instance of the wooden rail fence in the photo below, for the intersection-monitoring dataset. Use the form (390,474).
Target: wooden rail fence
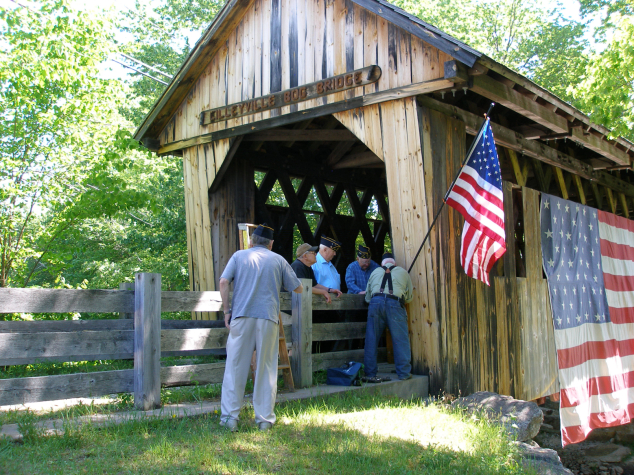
(145,338)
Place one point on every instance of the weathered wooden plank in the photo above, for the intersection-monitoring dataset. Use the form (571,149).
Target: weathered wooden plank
(194,339)
(338,331)
(51,388)
(211,373)
(514,141)
(65,300)
(291,118)
(147,341)
(23,348)
(323,361)
(283,135)
(503,95)
(62,326)
(344,302)
(301,360)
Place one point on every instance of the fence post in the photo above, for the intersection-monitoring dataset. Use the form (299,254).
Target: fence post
(302,358)
(126,286)
(147,341)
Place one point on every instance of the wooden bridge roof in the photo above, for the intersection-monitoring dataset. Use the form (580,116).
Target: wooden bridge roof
(535,114)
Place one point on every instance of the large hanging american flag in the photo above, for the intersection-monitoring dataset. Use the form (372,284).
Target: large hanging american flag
(588,257)
(477,196)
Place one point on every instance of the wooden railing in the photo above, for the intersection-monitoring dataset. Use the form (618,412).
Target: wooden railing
(146,338)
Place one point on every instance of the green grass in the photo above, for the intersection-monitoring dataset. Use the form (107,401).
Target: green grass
(349,434)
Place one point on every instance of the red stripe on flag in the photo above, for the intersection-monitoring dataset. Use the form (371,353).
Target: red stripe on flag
(593,350)
(571,397)
(618,283)
(622,315)
(477,206)
(616,221)
(616,251)
(494,200)
(473,221)
(574,434)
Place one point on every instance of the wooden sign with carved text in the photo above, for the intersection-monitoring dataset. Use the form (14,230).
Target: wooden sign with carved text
(342,82)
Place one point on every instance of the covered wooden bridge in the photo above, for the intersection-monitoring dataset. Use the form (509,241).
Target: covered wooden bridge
(357,100)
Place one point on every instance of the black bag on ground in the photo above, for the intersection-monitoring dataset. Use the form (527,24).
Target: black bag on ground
(345,375)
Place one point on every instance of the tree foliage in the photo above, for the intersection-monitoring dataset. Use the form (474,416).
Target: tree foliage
(606,91)
(523,35)
(63,156)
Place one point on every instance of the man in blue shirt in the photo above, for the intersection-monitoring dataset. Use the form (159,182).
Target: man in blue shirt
(325,272)
(358,273)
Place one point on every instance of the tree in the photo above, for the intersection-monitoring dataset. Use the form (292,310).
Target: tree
(63,156)
(606,91)
(539,43)
(160,33)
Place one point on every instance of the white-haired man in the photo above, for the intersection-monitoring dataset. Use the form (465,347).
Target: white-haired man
(325,271)
(389,289)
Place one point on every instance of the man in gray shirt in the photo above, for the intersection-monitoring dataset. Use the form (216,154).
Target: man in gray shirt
(258,275)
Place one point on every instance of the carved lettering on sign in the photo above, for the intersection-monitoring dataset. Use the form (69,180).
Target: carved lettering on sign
(350,80)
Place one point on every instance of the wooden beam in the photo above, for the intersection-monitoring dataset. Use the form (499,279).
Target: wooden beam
(514,141)
(313,135)
(598,197)
(559,177)
(225,165)
(424,87)
(496,91)
(611,200)
(580,190)
(456,72)
(520,175)
(339,151)
(624,205)
(358,160)
(538,170)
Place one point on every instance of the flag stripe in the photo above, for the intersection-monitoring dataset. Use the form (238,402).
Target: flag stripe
(621,315)
(477,195)
(573,434)
(593,350)
(595,386)
(617,283)
(588,257)
(578,335)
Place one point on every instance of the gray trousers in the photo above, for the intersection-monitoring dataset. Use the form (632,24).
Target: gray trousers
(245,335)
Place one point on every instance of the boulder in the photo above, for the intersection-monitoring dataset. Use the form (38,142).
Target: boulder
(611,453)
(542,461)
(520,418)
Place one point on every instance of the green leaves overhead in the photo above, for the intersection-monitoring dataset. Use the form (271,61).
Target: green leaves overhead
(521,34)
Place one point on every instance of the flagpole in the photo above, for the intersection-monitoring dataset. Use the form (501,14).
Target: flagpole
(473,144)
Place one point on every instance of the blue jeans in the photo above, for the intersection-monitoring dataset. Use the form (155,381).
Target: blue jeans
(384,311)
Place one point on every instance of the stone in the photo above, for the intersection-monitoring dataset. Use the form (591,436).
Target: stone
(520,418)
(601,434)
(542,461)
(625,433)
(610,453)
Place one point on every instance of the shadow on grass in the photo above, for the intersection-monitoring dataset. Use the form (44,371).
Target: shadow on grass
(298,445)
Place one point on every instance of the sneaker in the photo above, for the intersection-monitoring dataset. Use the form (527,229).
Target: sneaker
(409,376)
(230,424)
(264,426)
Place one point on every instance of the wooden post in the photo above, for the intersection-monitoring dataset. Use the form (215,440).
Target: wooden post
(302,321)
(147,341)
(126,286)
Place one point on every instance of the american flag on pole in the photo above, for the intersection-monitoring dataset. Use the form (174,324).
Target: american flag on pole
(588,257)
(477,196)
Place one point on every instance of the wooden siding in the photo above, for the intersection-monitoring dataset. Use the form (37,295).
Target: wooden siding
(274,47)
(391,130)
(466,335)
(200,165)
